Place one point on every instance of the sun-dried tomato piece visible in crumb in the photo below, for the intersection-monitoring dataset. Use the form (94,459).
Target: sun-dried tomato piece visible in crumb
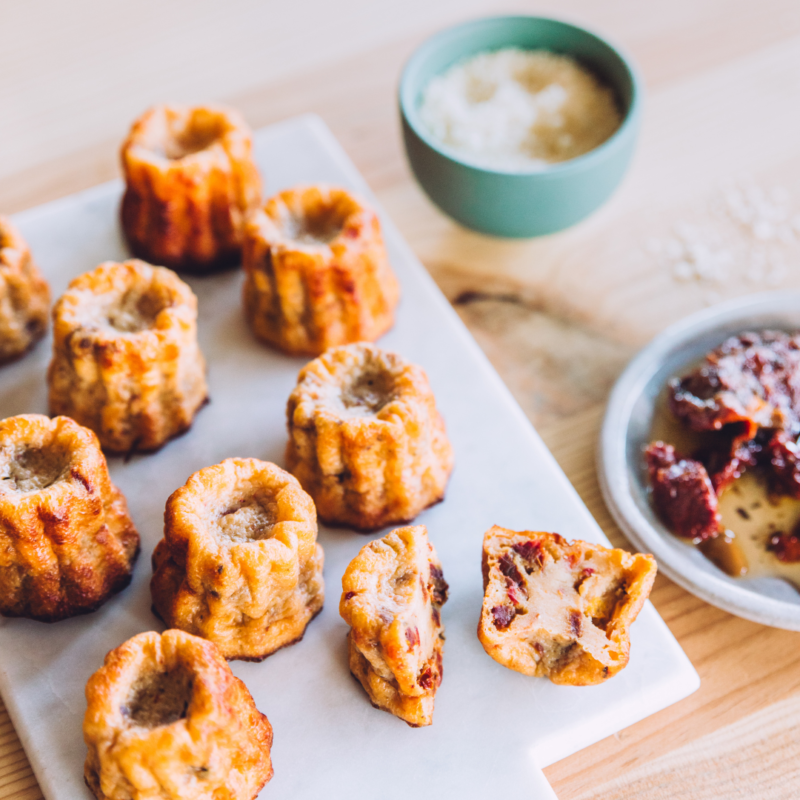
(502,616)
(572,608)
(785,546)
(683,495)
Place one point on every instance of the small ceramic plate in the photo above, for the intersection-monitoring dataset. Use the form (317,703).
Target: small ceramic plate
(626,431)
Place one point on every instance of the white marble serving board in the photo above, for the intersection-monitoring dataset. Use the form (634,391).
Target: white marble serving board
(493,729)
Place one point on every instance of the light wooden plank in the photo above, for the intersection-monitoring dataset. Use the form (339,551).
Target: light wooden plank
(759,750)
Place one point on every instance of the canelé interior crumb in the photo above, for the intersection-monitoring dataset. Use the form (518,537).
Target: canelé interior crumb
(249,517)
(368,393)
(31,469)
(160,698)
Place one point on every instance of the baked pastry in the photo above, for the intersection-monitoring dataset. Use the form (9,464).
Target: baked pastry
(167,720)
(392,593)
(190,181)
(365,438)
(66,541)
(239,563)
(316,271)
(24,295)
(557,608)
(125,357)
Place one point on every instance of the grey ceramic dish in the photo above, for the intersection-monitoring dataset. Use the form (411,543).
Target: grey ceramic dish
(625,432)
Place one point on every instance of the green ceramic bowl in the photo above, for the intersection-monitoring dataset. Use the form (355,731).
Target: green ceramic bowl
(519,203)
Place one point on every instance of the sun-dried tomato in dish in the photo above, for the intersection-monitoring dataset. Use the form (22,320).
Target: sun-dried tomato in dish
(682,493)
(752,378)
(786,546)
(744,401)
(784,462)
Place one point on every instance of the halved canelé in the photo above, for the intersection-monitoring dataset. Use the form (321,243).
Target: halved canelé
(24,295)
(560,609)
(365,438)
(239,563)
(190,182)
(392,594)
(167,720)
(66,541)
(126,362)
(317,273)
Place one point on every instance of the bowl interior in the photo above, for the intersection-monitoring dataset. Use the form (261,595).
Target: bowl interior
(456,44)
(627,430)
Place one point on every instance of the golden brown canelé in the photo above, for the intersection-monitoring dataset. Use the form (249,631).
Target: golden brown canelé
(126,362)
(24,295)
(190,181)
(167,720)
(365,438)
(239,563)
(66,541)
(392,594)
(316,272)
(560,609)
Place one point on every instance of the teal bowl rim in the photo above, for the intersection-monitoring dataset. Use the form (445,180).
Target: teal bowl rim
(408,111)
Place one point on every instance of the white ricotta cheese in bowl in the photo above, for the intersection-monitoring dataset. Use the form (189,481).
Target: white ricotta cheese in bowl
(515,109)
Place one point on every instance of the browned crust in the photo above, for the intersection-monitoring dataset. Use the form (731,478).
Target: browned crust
(185,210)
(225,261)
(416,712)
(101,376)
(259,659)
(90,779)
(358,526)
(22,353)
(135,449)
(120,585)
(221,727)
(232,593)
(65,563)
(24,296)
(367,470)
(254,659)
(305,297)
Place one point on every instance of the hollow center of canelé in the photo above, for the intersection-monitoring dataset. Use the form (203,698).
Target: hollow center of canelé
(32,469)
(195,135)
(136,311)
(368,393)
(318,226)
(160,698)
(249,518)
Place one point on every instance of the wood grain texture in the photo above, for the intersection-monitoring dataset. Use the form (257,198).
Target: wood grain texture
(758,750)
(558,316)
(16,777)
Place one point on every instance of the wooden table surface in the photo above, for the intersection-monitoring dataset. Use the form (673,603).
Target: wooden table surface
(558,316)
